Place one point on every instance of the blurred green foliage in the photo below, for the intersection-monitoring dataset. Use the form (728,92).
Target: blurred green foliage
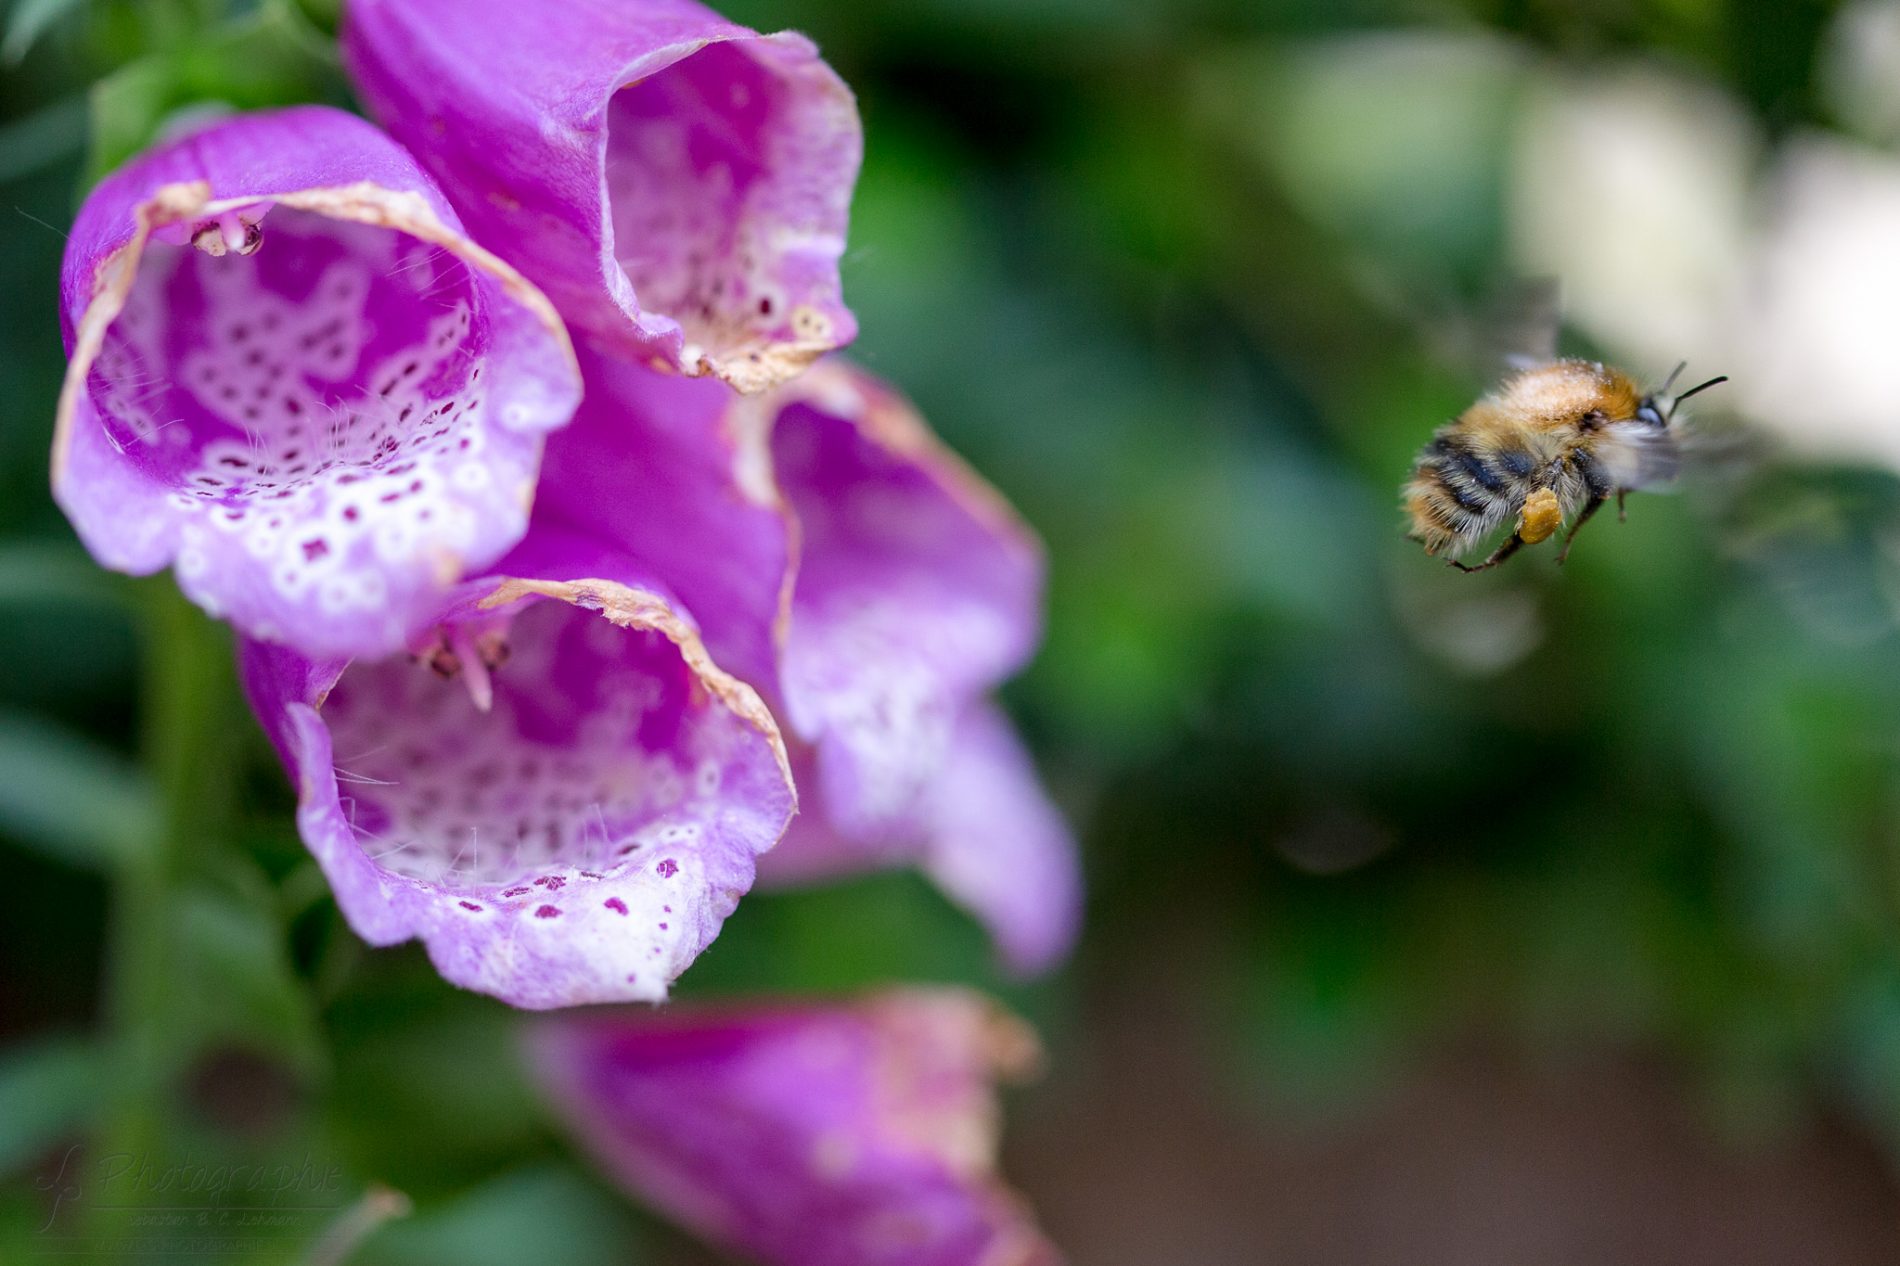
(1181,278)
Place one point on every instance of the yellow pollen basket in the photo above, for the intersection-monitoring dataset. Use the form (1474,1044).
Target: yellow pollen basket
(1540,516)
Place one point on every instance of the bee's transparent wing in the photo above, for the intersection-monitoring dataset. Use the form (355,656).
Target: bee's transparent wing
(1511,329)
(1721,452)
(1651,459)
(1640,456)
(1526,318)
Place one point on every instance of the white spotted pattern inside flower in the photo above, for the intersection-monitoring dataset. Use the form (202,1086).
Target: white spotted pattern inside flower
(594,757)
(689,169)
(318,404)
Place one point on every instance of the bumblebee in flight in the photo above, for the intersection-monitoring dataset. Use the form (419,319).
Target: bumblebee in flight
(1550,444)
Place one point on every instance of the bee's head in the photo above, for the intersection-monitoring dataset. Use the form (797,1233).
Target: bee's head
(1659,406)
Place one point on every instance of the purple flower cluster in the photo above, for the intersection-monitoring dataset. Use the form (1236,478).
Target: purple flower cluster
(575,583)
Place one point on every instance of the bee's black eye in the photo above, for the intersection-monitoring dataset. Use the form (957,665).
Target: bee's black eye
(1650,412)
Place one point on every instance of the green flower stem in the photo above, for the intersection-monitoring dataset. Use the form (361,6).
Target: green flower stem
(188,724)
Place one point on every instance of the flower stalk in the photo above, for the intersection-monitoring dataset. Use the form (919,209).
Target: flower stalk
(187,731)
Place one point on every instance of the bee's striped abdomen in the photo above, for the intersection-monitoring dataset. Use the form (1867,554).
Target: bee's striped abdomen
(1518,463)
(1458,492)
(1453,459)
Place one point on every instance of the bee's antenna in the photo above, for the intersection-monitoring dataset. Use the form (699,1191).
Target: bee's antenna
(1673,375)
(1702,387)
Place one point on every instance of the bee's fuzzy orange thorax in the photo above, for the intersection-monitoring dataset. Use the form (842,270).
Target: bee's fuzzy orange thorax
(1553,397)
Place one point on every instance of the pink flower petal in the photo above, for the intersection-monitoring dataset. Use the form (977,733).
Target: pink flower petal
(676,474)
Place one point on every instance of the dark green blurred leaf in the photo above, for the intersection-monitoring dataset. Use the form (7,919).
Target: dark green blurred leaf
(48,135)
(324,15)
(544,1214)
(40,572)
(392,1084)
(272,58)
(49,1089)
(241,985)
(848,937)
(28,21)
(76,801)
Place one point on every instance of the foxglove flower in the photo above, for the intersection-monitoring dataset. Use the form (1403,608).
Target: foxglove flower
(849,1134)
(677,184)
(560,794)
(917,591)
(839,557)
(295,379)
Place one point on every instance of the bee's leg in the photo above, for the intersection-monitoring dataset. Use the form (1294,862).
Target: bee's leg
(1570,537)
(1498,555)
(1622,512)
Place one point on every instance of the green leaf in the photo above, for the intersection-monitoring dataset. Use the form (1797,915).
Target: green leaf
(71,798)
(273,57)
(547,1213)
(391,1084)
(48,1090)
(30,20)
(46,572)
(874,930)
(324,15)
(42,138)
(243,988)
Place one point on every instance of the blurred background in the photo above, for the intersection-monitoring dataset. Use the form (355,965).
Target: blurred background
(1531,917)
